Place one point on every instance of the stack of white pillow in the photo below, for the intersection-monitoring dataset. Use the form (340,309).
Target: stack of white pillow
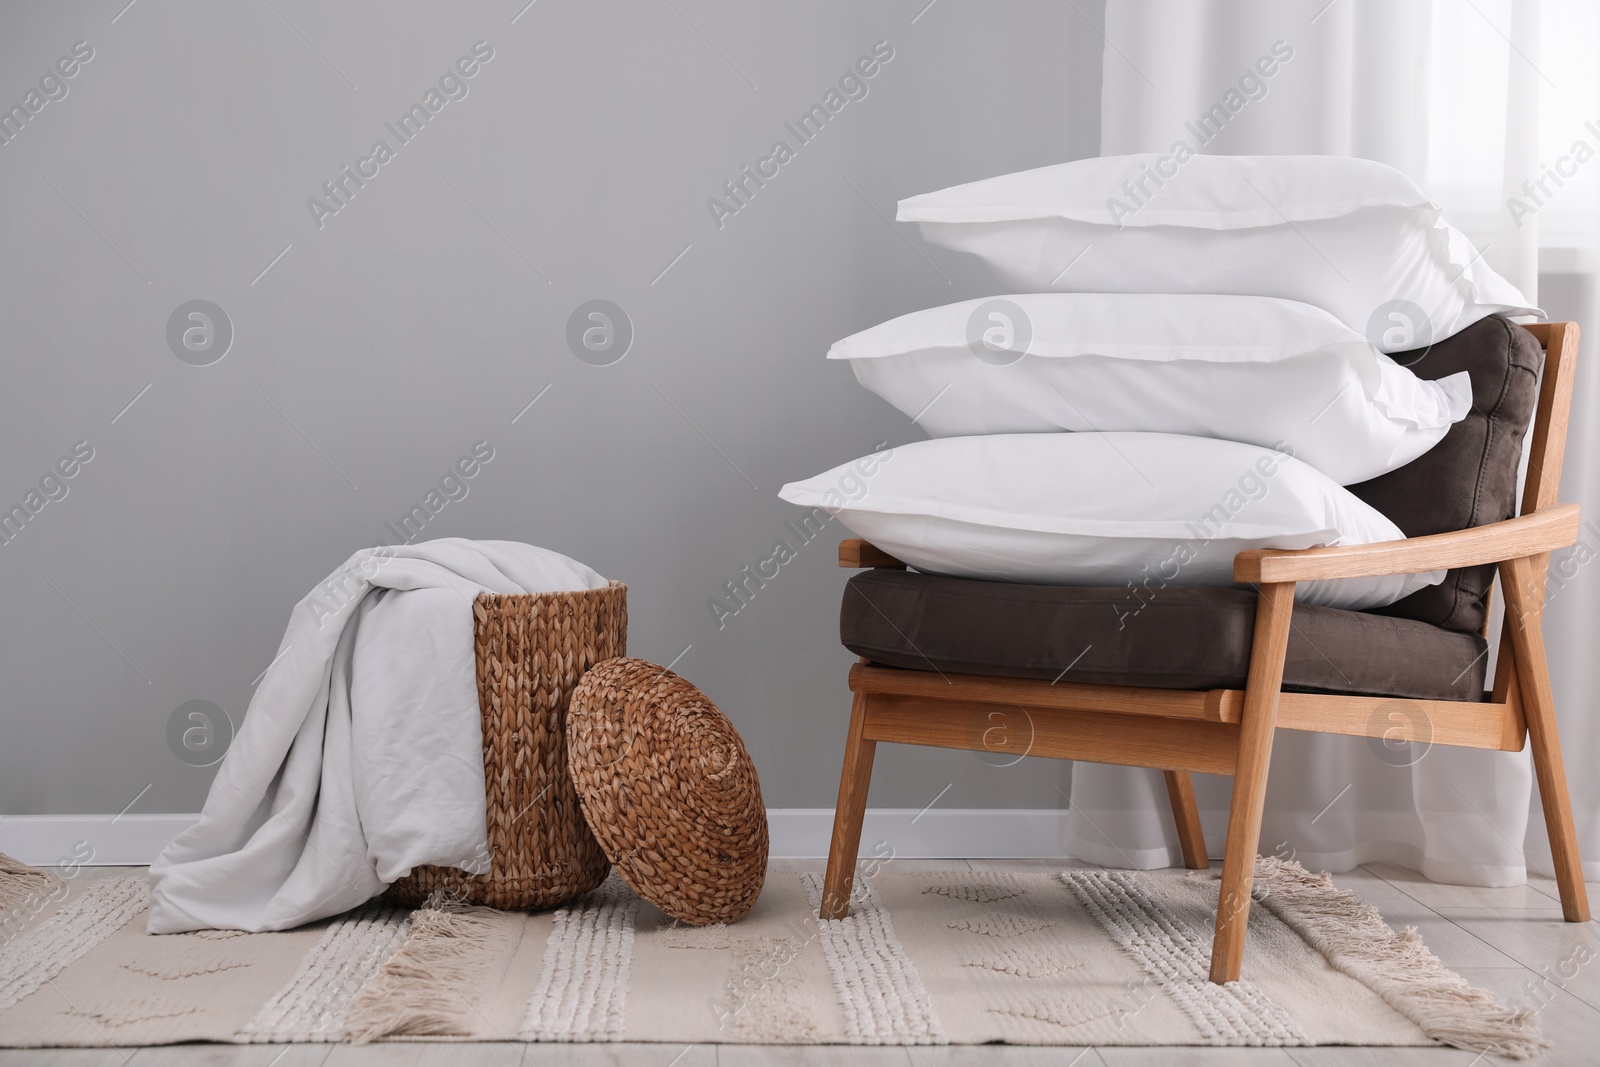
(1192,363)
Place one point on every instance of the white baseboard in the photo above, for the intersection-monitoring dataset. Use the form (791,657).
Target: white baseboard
(89,840)
(906,833)
(913,833)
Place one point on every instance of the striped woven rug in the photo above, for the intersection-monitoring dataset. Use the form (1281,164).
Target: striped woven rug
(1068,958)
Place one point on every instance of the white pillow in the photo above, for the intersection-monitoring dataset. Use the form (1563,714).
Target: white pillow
(1242,368)
(1101,509)
(1355,237)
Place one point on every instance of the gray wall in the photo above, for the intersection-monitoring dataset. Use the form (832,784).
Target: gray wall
(415,322)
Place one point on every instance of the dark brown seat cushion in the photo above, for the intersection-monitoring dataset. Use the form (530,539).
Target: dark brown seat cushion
(1470,477)
(1183,638)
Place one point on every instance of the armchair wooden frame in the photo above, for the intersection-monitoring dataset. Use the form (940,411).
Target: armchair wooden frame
(1230,731)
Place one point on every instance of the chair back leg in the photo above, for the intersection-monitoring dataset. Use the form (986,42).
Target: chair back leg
(847,816)
(1192,839)
(1521,580)
(1257,721)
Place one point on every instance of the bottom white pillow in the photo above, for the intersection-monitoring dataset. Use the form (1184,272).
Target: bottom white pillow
(1148,509)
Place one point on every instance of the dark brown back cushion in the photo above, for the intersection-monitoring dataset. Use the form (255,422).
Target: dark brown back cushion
(1470,477)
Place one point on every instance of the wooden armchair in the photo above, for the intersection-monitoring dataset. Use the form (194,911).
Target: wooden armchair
(1230,730)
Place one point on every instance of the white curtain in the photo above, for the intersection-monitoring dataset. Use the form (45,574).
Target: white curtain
(1449,91)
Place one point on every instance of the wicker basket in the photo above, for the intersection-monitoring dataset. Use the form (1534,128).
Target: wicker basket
(531,651)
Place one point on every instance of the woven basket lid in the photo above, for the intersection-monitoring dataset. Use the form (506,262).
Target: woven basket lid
(669,790)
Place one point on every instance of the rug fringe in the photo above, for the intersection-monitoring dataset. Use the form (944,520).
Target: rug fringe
(421,988)
(18,882)
(1397,966)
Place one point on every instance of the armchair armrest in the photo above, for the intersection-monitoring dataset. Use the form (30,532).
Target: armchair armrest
(854,552)
(1544,530)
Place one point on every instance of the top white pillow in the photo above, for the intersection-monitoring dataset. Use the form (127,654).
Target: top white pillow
(1352,236)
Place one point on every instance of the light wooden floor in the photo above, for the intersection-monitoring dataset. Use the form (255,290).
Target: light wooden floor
(1484,934)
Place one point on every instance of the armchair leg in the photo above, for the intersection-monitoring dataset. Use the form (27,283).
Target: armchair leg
(854,780)
(1180,790)
(1523,620)
(1257,721)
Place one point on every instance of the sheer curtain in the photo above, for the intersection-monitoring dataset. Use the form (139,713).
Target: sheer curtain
(1472,98)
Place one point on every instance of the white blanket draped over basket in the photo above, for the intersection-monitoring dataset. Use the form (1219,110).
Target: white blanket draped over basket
(361,755)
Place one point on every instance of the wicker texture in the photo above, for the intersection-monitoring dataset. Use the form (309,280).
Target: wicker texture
(531,650)
(669,790)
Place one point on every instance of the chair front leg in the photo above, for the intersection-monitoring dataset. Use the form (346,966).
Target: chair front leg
(854,780)
(1257,721)
(1523,581)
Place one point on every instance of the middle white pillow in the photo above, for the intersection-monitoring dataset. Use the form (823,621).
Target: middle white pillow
(1255,369)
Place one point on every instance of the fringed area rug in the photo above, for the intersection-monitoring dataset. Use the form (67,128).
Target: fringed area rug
(1072,958)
